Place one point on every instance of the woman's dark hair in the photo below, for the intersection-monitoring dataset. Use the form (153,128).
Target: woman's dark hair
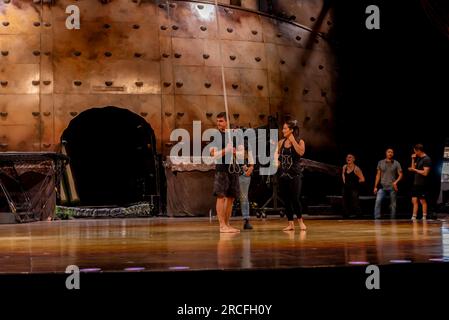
(293,125)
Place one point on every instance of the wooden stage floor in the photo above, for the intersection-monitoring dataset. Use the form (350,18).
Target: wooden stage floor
(167,244)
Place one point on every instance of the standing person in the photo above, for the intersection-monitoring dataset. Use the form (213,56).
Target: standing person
(421,164)
(288,155)
(389,173)
(352,177)
(245,181)
(226,183)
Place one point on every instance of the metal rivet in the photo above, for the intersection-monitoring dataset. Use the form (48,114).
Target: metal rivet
(35,113)
(76,53)
(307,119)
(109,83)
(254,32)
(161,5)
(137,54)
(47,53)
(236,115)
(298,38)
(206,56)
(144,114)
(163,27)
(312,19)
(5,53)
(232,57)
(107,26)
(229,30)
(209,114)
(136,26)
(282,61)
(321,67)
(139,83)
(47,145)
(279,35)
(77,83)
(293,17)
(36,53)
(5,23)
(207,84)
(73,113)
(172,5)
(258,59)
(203,28)
(108,54)
(180,114)
(4,145)
(6,1)
(323,93)
(168,114)
(47,82)
(235,86)
(35,82)
(47,113)
(37,24)
(286,89)
(260,87)
(175,27)
(4,83)
(165,55)
(200,6)
(47,24)
(167,84)
(305,91)
(179,84)
(4,114)
(178,55)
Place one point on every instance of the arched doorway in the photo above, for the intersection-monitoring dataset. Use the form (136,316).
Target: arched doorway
(113,156)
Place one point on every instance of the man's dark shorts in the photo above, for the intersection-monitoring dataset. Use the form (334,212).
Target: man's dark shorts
(226,184)
(419,191)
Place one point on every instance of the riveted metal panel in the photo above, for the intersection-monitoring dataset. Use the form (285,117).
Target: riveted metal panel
(189,108)
(239,25)
(49,142)
(242,54)
(168,122)
(19,137)
(20,48)
(19,17)
(117,10)
(19,109)
(187,20)
(254,82)
(21,78)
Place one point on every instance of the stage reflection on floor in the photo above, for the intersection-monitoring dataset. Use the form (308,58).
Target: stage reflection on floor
(195,244)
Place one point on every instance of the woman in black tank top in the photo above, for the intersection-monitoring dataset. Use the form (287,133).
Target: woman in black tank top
(352,177)
(290,150)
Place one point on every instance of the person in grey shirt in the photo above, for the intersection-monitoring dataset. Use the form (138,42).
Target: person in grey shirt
(389,173)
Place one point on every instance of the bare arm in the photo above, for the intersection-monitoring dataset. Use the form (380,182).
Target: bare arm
(424,172)
(300,147)
(359,174)
(376,182)
(276,154)
(343,174)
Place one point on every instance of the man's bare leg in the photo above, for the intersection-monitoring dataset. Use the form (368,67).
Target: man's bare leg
(424,208)
(229,202)
(415,207)
(221,212)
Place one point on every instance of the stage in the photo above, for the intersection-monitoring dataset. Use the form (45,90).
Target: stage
(194,244)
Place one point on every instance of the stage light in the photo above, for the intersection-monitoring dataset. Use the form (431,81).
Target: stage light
(400,261)
(90,270)
(179,268)
(358,262)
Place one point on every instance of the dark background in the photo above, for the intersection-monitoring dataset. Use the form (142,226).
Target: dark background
(392,85)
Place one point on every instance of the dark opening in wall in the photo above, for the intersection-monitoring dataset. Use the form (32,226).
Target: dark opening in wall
(112,153)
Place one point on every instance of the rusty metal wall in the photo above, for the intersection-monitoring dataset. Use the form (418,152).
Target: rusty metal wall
(161,60)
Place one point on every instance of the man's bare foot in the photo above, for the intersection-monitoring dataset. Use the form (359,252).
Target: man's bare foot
(228,229)
(302,226)
(290,227)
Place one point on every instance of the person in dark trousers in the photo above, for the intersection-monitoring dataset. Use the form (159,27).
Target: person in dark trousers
(352,177)
(245,181)
(421,164)
(288,155)
(389,173)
